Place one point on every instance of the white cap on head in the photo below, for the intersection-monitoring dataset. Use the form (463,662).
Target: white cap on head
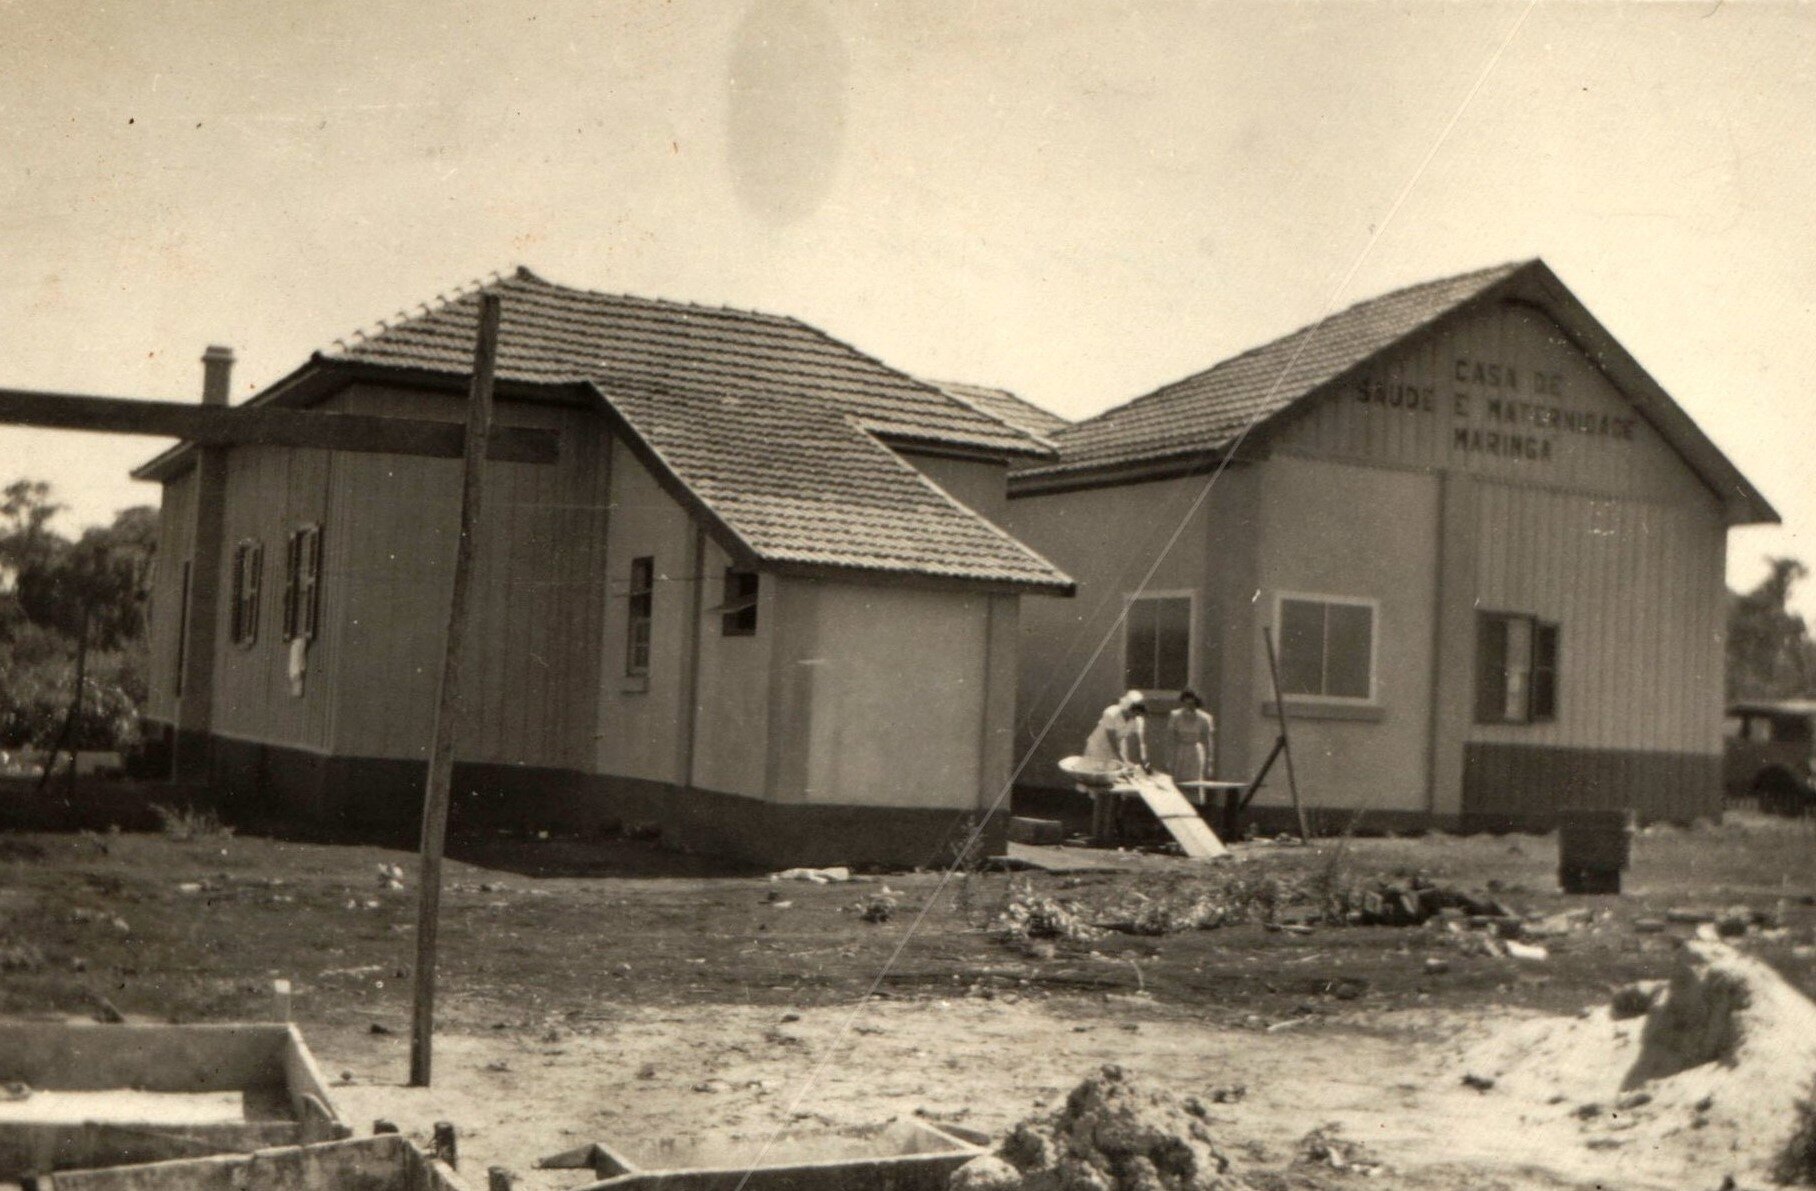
(1132,698)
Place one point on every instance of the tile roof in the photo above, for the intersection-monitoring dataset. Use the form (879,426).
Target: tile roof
(771,424)
(798,483)
(1005,406)
(1209,410)
(554,334)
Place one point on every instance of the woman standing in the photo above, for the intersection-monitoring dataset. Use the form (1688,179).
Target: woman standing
(1191,739)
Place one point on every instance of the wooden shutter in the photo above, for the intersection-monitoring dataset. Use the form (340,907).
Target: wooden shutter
(1544,671)
(236,630)
(1491,669)
(311,612)
(292,573)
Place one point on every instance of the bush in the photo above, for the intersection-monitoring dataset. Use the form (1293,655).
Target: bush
(37,673)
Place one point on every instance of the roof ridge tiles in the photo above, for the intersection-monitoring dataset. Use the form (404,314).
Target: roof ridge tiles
(669,303)
(1506,268)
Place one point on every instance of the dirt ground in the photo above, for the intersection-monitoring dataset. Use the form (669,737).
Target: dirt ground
(602,989)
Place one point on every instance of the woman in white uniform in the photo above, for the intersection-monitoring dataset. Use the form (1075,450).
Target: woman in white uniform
(1121,735)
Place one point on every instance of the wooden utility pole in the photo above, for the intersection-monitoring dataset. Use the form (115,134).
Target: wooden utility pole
(1286,747)
(441,741)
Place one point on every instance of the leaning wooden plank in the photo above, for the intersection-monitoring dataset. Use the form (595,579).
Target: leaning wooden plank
(1177,815)
(269,425)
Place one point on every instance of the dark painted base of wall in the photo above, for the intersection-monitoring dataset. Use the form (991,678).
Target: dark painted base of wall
(376,798)
(1517,786)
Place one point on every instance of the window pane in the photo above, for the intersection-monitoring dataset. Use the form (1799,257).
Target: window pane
(739,601)
(1349,650)
(1173,643)
(1519,670)
(1141,642)
(1301,647)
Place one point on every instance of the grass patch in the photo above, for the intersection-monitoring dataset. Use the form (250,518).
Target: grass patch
(185,823)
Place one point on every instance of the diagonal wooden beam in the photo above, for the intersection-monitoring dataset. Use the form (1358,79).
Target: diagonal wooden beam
(266,425)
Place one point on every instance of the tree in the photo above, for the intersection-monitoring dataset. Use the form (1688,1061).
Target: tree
(72,623)
(1770,655)
(96,587)
(25,509)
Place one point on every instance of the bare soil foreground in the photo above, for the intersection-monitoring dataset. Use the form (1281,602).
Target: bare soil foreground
(606,990)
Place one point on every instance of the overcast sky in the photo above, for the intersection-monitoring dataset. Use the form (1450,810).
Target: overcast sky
(1077,201)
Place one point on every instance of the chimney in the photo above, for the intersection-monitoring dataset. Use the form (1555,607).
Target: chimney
(217,374)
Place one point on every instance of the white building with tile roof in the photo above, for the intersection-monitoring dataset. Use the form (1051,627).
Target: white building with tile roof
(762,601)
(1488,546)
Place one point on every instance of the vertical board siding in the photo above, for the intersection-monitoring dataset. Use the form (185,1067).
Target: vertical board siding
(1434,405)
(176,534)
(1610,535)
(1523,786)
(1636,590)
(270,492)
(531,675)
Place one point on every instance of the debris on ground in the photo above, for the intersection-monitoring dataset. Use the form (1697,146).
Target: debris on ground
(1635,1000)
(878,907)
(1113,1134)
(1414,901)
(1325,1146)
(1028,916)
(815,876)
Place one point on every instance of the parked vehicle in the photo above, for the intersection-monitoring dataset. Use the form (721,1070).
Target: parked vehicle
(1769,754)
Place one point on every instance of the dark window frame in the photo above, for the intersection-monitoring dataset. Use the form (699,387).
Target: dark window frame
(738,609)
(1142,631)
(303,583)
(1509,693)
(248,587)
(640,616)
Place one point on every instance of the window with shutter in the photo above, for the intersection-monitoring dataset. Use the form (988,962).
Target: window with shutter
(248,572)
(641,615)
(303,583)
(1516,669)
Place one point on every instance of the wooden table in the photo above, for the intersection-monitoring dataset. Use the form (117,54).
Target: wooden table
(1229,824)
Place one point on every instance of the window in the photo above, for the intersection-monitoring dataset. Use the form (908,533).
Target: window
(1516,669)
(738,612)
(642,612)
(248,574)
(182,628)
(303,583)
(1157,643)
(1327,647)
(1790,729)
